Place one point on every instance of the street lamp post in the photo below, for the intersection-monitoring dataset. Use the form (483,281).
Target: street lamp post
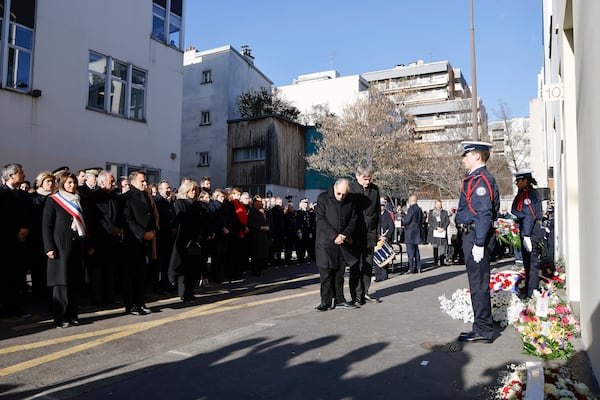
(475,134)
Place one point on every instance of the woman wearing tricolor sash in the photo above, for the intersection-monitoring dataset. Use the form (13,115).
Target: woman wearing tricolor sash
(64,231)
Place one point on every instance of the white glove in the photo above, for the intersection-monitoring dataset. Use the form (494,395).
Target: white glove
(527,243)
(477,253)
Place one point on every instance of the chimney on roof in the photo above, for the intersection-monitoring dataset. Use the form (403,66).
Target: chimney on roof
(247,53)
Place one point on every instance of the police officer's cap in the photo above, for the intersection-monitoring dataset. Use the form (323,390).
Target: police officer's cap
(93,171)
(469,146)
(60,170)
(523,174)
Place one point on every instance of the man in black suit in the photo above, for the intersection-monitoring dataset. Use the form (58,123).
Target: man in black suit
(139,231)
(106,225)
(165,236)
(412,234)
(364,194)
(15,206)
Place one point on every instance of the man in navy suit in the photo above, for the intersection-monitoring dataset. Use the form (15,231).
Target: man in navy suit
(412,234)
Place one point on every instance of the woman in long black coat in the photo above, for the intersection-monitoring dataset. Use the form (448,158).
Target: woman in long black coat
(64,231)
(186,259)
(258,236)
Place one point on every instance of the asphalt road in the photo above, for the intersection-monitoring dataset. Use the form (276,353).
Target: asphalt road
(262,339)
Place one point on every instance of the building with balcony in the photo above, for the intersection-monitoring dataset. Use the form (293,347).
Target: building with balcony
(102,87)
(436,95)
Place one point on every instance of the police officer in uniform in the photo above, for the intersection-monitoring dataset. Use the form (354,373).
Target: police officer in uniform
(477,209)
(527,208)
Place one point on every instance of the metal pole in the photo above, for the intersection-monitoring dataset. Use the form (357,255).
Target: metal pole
(475,134)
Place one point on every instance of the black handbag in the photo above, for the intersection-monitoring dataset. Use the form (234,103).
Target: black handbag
(193,248)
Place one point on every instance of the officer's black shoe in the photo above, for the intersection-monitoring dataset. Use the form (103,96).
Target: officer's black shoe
(355,303)
(321,307)
(474,337)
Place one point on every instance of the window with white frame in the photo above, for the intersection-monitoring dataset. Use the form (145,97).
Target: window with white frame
(167,21)
(244,154)
(205,118)
(125,84)
(17,22)
(203,160)
(206,76)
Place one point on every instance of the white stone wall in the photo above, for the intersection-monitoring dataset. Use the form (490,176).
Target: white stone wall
(56,129)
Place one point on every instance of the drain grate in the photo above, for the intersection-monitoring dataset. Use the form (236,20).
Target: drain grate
(442,347)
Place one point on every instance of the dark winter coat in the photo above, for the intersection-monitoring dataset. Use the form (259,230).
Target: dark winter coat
(258,239)
(412,225)
(366,204)
(334,217)
(67,268)
(191,219)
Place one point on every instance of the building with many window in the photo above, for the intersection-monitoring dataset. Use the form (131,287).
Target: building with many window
(213,80)
(102,87)
(436,95)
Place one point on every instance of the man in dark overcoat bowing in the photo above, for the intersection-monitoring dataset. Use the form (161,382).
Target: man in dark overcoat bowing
(336,220)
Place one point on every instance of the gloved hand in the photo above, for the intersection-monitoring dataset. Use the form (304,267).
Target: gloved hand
(527,243)
(477,253)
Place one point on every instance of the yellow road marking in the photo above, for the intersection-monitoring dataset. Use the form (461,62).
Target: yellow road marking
(127,330)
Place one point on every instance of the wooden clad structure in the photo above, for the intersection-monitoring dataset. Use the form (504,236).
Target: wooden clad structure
(268,150)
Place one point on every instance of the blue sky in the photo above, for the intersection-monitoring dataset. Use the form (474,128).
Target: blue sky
(300,37)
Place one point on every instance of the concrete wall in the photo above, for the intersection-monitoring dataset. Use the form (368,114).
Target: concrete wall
(56,129)
(572,56)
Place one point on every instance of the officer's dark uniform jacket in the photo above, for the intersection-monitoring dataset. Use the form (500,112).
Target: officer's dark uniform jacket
(479,204)
(527,208)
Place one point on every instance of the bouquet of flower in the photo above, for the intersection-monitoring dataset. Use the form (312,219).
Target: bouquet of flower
(559,384)
(507,231)
(506,306)
(506,280)
(549,336)
(553,272)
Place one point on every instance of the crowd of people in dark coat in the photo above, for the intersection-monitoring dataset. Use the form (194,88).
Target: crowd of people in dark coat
(91,237)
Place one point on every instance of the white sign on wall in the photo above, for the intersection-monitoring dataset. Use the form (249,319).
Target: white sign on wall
(553,92)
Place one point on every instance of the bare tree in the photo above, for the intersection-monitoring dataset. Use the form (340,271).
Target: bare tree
(515,142)
(372,130)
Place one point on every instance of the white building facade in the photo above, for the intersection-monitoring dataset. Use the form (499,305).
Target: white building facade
(572,98)
(56,72)
(213,80)
(325,89)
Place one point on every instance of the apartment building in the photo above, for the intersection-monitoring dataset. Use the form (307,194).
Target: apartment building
(436,95)
(102,87)
(212,81)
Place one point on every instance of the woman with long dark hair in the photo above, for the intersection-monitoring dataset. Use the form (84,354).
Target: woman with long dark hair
(64,232)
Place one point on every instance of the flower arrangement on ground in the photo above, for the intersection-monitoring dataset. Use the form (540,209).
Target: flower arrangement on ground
(547,335)
(507,231)
(508,280)
(559,383)
(506,306)
(553,272)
